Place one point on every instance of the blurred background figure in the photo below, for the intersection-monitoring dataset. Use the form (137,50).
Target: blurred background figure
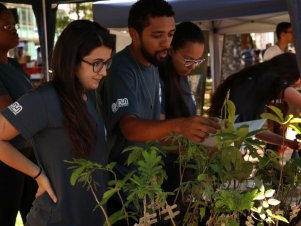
(21,56)
(273,82)
(284,33)
(39,60)
(17,191)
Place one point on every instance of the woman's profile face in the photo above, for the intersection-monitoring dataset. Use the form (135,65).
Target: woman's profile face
(93,67)
(185,59)
(8,34)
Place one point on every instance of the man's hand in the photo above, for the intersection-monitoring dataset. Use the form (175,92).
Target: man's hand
(198,128)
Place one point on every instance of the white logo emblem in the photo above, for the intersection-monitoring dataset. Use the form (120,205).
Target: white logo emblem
(15,108)
(120,103)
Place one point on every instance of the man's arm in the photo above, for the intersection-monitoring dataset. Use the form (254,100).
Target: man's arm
(276,139)
(195,128)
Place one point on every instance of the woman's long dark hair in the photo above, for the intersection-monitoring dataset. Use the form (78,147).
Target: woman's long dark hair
(77,40)
(175,105)
(252,88)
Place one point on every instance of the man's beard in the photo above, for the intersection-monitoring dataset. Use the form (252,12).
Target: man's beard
(153,59)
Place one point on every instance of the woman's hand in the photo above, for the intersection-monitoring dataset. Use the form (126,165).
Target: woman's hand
(45,186)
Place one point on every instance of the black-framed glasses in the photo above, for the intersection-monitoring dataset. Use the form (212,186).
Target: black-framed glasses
(191,62)
(98,65)
(10,27)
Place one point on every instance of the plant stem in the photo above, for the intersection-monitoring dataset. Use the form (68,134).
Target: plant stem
(121,200)
(101,207)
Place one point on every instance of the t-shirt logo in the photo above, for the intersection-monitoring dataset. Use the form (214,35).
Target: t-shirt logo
(120,103)
(15,108)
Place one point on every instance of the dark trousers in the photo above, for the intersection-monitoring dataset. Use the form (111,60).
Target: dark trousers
(17,192)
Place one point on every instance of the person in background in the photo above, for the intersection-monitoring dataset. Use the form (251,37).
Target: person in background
(185,54)
(39,61)
(272,82)
(177,99)
(61,119)
(17,190)
(284,34)
(131,105)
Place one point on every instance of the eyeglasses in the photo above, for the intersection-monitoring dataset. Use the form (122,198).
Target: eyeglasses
(11,27)
(98,65)
(191,62)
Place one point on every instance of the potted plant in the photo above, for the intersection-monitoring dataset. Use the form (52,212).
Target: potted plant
(237,183)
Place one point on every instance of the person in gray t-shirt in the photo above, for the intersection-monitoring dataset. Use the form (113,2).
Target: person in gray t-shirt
(131,104)
(17,190)
(60,118)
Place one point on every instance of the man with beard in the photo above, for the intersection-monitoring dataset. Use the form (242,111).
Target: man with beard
(131,103)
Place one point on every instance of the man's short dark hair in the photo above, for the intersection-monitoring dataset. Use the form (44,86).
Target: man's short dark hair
(282,27)
(142,10)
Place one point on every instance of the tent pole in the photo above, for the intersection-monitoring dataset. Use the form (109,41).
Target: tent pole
(294,9)
(46,71)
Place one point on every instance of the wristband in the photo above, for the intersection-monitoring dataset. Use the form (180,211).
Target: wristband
(39,173)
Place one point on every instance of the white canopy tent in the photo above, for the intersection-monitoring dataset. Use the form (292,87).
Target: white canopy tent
(246,15)
(219,17)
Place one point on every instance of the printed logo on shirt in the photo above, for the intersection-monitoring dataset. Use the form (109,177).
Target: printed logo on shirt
(120,103)
(15,108)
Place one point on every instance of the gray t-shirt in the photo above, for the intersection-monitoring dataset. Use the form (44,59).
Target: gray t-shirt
(13,80)
(129,89)
(188,96)
(38,116)
(14,83)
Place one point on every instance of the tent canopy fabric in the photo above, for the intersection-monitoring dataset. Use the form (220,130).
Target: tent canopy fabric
(211,13)
(195,10)
(219,17)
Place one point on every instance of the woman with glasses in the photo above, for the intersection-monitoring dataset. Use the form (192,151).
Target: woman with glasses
(17,190)
(177,99)
(185,54)
(61,119)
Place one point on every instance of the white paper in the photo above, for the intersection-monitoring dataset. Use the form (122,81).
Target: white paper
(253,125)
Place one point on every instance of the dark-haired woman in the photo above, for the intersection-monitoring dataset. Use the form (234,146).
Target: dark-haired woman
(17,190)
(61,119)
(177,99)
(272,82)
(185,54)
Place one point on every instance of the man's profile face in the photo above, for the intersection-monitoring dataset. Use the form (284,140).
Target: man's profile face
(288,35)
(156,38)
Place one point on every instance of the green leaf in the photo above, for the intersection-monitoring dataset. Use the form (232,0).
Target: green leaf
(296,120)
(202,177)
(107,195)
(269,212)
(296,128)
(263,216)
(288,118)
(271,117)
(277,111)
(281,218)
(259,196)
(231,110)
(273,202)
(269,193)
(265,204)
(76,174)
(242,131)
(202,212)
(117,216)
